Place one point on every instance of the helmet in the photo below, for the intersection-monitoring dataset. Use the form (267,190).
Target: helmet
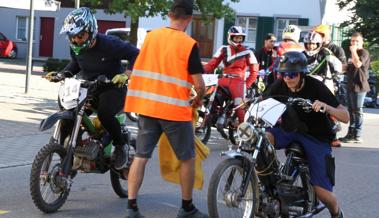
(312,37)
(77,21)
(291,32)
(322,29)
(235,31)
(293,61)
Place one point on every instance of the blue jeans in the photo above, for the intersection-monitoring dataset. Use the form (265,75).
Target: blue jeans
(355,104)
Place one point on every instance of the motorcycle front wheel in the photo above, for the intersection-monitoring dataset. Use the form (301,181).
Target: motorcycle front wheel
(224,197)
(48,189)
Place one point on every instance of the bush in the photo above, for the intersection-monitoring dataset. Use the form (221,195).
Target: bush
(55,65)
(375,67)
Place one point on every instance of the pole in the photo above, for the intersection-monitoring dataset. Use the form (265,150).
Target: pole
(77,3)
(30,46)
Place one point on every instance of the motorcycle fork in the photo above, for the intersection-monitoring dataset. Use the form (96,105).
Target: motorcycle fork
(67,161)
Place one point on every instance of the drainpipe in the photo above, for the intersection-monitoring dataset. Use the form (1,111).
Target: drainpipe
(30,46)
(77,3)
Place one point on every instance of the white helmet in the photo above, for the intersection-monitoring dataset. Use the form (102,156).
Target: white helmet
(312,37)
(291,32)
(235,31)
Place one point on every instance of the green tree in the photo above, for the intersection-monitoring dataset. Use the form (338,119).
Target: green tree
(364,18)
(149,8)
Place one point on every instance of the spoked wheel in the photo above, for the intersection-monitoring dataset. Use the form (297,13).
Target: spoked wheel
(119,181)
(119,178)
(48,189)
(224,196)
(203,127)
(307,198)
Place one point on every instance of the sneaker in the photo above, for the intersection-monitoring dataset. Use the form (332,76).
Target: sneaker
(336,143)
(130,213)
(195,213)
(358,140)
(347,139)
(119,157)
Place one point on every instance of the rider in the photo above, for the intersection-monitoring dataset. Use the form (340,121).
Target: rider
(324,31)
(94,54)
(236,58)
(318,134)
(266,56)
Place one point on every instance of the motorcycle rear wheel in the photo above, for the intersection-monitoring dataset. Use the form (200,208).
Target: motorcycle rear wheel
(45,182)
(119,181)
(228,203)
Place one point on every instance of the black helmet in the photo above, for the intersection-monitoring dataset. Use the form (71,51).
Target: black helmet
(293,61)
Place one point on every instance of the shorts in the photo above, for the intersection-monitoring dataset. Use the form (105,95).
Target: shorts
(179,133)
(318,154)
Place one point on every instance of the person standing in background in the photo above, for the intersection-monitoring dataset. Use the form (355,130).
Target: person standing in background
(357,87)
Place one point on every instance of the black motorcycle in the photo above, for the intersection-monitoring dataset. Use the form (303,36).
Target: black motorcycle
(252,182)
(83,146)
(218,111)
(371,96)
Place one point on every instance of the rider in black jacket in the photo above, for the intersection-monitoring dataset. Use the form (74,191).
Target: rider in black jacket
(92,55)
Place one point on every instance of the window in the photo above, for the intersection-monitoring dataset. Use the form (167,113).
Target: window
(22,28)
(250,26)
(281,23)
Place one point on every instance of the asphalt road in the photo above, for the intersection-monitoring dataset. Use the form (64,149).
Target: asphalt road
(92,196)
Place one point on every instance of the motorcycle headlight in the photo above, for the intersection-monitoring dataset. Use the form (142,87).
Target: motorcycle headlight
(246,132)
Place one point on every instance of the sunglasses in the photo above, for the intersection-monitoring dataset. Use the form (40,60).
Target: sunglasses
(290,75)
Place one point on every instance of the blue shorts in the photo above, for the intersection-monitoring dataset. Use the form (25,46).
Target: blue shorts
(317,154)
(180,135)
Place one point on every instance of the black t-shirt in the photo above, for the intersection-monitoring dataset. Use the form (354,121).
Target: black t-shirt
(318,124)
(194,61)
(103,59)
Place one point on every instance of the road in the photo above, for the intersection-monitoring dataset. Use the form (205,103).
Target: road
(92,196)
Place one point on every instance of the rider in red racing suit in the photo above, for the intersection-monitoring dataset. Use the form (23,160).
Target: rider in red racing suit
(236,58)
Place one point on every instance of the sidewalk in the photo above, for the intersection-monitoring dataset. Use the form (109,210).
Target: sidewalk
(21,113)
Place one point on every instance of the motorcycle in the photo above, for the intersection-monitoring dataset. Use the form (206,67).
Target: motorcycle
(371,96)
(217,111)
(340,87)
(85,146)
(252,182)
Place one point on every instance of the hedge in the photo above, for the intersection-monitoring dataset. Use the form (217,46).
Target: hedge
(55,65)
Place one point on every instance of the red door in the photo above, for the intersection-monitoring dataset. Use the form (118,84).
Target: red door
(103,25)
(46,38)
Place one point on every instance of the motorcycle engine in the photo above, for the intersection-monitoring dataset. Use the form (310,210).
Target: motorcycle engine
(85,155)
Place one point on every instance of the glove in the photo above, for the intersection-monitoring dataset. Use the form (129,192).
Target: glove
(120,80)
(54,77)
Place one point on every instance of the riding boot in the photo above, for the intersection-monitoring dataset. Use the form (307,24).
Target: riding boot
(349,136)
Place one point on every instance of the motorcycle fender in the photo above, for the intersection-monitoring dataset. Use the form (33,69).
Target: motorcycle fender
(238,155)
(52,119)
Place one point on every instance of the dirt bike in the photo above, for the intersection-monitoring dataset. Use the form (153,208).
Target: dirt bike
(252,182)
(217,110)
(86,147)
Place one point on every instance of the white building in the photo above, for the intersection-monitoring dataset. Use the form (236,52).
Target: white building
(258,17)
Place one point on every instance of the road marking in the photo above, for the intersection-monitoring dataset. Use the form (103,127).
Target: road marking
(3,212)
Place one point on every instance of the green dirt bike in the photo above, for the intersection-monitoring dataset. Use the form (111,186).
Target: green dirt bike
(85,147)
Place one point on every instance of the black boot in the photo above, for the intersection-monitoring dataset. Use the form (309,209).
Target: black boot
(120,156)
(349,137)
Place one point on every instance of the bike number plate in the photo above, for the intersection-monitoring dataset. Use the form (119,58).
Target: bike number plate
(210,79)
(269,110)
(71,90)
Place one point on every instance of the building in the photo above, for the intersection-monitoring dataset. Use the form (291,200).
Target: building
(258,17)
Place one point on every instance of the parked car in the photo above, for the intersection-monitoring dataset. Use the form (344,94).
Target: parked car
(7,47)
(124,34)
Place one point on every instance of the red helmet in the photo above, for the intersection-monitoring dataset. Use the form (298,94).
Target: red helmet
(235,31)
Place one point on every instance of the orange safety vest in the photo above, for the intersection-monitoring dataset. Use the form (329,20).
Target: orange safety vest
(160,84)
